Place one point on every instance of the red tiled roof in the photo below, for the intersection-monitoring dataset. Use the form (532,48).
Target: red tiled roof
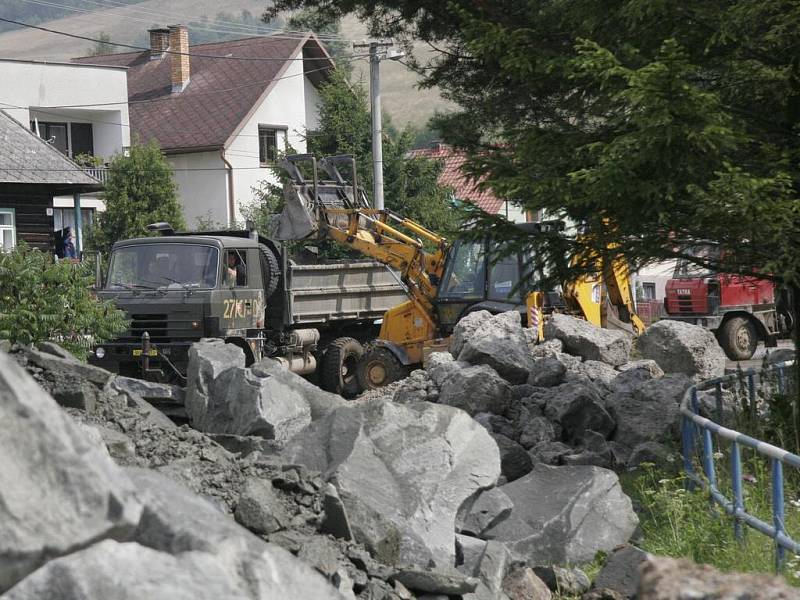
(453,176)
(220,93)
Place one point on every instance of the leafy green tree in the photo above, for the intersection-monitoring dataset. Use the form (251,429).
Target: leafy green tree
(42,299)
(140,190)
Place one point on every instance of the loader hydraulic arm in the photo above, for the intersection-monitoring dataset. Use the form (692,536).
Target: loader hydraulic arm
(368,231)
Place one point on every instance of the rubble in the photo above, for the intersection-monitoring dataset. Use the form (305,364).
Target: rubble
(620,572)
(465,479)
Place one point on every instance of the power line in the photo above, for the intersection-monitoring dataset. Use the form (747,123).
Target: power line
(53,4)
(231,24)
(165,98)
(143,48)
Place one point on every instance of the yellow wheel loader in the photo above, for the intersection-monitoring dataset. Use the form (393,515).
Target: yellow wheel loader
(444,280)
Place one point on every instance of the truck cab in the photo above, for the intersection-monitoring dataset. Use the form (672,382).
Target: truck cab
(178,289)
(741,310)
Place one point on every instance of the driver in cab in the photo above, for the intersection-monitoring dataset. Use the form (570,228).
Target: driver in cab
(236,271)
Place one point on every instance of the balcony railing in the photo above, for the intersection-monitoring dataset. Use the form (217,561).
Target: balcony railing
(99,173)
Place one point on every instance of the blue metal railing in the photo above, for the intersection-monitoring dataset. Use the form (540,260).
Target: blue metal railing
(694,425)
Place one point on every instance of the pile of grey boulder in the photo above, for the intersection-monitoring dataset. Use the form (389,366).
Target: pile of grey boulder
(483,476)
(577,399)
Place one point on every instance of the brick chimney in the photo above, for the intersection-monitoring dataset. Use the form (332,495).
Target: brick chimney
(159,41)
(179,61)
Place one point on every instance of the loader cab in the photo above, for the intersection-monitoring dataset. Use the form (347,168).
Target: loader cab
(478,277)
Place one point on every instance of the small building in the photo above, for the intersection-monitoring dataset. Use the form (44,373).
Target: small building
(467,189)
(32,173)
(81,110)
(222,112)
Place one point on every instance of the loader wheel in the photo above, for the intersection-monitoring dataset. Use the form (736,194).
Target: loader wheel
(338,373)
(379,367)
(738,338)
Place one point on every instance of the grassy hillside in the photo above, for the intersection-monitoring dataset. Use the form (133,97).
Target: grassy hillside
(128,24)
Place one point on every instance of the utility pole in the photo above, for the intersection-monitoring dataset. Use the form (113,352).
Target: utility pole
(377,51)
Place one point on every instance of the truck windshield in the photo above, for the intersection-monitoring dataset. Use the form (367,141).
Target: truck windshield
(170,266)
(686,269)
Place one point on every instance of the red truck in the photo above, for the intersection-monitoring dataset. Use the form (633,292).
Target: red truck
(740,310)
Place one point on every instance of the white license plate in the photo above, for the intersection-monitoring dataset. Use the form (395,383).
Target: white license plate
(684,292)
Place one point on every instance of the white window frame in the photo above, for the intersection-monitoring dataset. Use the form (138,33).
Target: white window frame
(12,227)
(281,140)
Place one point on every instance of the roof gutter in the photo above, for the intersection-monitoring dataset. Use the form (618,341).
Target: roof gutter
(229,173)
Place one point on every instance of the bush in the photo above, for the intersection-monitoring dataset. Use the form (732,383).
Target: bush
(43,299)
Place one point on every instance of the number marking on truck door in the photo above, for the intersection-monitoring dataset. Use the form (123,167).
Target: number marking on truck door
(237,308)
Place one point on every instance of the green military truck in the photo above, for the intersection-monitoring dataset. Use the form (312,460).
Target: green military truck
(246,289)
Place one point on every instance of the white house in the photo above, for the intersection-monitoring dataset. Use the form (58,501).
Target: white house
(78,109)
(222,111)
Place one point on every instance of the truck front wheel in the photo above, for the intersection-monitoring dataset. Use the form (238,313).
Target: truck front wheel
(738,337)
(379,367)
(338,373)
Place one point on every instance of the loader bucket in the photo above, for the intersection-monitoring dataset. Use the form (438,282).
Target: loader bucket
(298,220)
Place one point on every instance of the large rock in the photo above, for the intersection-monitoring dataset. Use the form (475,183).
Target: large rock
(492,507)
(524,584)
(565,515)
(465,328)
(320,401)
(259,509)
(500,343)
(621,571)
(673,579)
(578,408)
(208,359)
(583,339)
(59,489)
(651,413)
(130,571)
(402,472)
(476,389)
(514,460)
(242,403)
(680,347)
(176,521)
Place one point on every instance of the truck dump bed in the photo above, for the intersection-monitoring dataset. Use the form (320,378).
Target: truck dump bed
(352,290)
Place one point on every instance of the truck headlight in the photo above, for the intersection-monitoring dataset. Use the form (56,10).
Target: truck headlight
(100,352)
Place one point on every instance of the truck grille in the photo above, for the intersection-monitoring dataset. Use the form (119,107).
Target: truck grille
(155,325)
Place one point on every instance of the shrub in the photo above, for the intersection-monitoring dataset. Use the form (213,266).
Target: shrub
(43,299)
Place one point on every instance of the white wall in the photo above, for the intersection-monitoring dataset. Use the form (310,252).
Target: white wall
(202,186)
(285,106)
(102,92)
(657,273)
(513,212)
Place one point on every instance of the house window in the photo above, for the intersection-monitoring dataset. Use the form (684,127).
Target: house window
(267,145)
(70,139)
(65,217)
(648,291)
(8,233)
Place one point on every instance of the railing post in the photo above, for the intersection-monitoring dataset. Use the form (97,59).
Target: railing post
(738,493)
(688,452)
(777,511)
(708,459)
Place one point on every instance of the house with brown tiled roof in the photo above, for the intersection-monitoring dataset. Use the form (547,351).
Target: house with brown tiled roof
(467,189)
(222,112)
